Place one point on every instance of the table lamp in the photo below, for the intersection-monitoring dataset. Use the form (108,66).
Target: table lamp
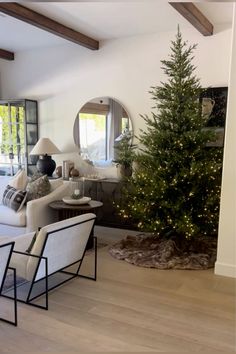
(44,149)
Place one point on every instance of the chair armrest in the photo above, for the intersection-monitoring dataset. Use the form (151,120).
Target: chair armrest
(22,242)
(38,213)
(20,261)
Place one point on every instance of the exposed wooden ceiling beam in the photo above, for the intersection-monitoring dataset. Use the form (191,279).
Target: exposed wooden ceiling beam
(189,11)
(34,18)
(5,54)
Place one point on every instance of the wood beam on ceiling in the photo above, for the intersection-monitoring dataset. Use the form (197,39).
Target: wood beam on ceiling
(34,18)
(5,54)
(191,13)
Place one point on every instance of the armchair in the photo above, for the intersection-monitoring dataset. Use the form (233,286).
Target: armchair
(57,247)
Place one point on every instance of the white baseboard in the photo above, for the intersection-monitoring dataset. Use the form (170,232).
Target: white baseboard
(227,270)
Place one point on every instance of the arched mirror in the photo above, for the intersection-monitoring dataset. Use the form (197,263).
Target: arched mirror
(99,125)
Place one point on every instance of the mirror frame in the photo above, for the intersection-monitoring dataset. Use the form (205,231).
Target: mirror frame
(97,106)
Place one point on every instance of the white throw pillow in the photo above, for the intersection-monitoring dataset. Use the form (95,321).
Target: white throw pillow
(19,181)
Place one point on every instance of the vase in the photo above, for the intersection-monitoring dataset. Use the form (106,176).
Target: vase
(125,171)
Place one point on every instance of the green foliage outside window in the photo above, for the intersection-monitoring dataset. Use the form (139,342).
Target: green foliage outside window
(11,130)
(99,120)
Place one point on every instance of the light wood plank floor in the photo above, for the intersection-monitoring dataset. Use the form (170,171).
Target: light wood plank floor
(129,309)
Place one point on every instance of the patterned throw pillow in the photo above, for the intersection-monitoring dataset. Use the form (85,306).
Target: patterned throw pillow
(14,198)
(38,188)
(35,176)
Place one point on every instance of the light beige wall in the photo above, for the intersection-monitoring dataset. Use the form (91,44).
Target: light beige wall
(226,257)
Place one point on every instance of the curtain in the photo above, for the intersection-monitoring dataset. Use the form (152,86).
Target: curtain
(113,126)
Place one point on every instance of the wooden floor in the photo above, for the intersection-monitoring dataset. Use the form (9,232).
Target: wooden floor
(129,309)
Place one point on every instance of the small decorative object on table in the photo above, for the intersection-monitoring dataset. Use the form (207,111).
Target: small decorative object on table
(59,171)
(79,201)
(65,169)
(74,173)
(76,198)
(76,194)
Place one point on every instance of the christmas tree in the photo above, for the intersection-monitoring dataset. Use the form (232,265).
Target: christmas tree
(176,186)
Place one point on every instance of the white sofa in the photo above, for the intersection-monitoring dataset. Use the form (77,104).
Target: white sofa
(35,214)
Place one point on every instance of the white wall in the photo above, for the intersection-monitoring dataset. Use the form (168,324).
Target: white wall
(226,256)
(62,79)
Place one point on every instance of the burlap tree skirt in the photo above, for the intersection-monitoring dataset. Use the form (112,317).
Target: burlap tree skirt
(162,253)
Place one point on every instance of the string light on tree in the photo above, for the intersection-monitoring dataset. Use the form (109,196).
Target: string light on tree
(176,185)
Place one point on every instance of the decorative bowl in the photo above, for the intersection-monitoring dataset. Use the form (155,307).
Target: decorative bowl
(81,201)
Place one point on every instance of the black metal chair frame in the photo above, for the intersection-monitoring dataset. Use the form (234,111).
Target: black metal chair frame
(70,275)
(14,297)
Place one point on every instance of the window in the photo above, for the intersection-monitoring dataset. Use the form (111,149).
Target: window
(18,135)
(12,140)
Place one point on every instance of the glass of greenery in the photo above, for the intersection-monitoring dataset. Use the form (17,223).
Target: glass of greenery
(124,154)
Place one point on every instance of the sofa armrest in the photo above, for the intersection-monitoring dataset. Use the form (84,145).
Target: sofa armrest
(38,213)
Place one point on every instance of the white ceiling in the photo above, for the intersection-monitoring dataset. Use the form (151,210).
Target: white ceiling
(104,20)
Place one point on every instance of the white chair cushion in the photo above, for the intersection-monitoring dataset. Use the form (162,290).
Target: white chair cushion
(10,217)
